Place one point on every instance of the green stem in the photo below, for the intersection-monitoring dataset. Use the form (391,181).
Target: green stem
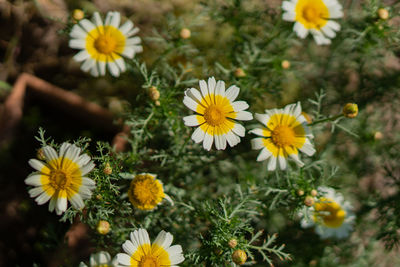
(326,120)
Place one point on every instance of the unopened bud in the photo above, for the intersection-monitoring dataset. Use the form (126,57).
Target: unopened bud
(40,154)
(378,136)
(232,243)
(78,14)
(239,73)
(107,169)
(314,193)
(350,110)
(383,13)
(285,64)
(309,201)
(307,117)
(239,257)
(99,197)
(103,227)
(218,251)
(154,93)
(300,192)
(185,33)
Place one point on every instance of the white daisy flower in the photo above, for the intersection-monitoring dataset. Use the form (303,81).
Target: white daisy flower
(314,16)
(217,112)
(101,259)
(104,44)
(140,252)
(331,215)
(285,133)
(61,178)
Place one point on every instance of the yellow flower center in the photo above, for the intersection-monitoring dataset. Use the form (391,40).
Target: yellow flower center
(214,115)
(313,14)
(59,179)
(283,136)
(145,192)
(329,213)
(105,44)
(149,261)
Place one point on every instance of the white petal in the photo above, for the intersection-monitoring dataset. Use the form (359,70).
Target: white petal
(129,248)
(102,68)
(244,116)
(176,251)
(220,88)
(83,160)
(211,85)
(198,135)
(133,32)
(81,56)
(33,179)
(296,159)
(97,19)
(232,139)
(61,205)
(308,148)
(300,30)
(289,16)
(116,19)
(77,32)
(112,67)
(240,105)
(264,154)
(128,52)
(109,16)
(222,141)
(133,41)
(88,64)
(77,43)
(94,71)
(232,92)
(121,64)
(164,239)
(335,12)
(257,143)
(124,259)
(288,6)
(194,93)
(190,103)
(282,162)
(218,145)
(88,182)
(191,120)
(34,192)
(36,164)
(43,198)
(52,203)
(208,141)
(126,27)
(333,25)
(85,192)
(87,25)
(272,163)
(63,149)
(143,236)
(203,88)
(100,258)
(77,201)
(263,118)
(239,130)
(328,31)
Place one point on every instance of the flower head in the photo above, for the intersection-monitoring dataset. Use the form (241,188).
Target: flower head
(332,216)
(284,133)
(140,252)
(217,113)
(314,16)
(61,178)
(101,259)
(239,256)
(145,191)
(103,227)
(104,44)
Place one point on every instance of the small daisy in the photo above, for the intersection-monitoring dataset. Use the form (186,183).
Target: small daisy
(140,252)
(61,178)
(285,133)
(314,16)
(101,259)
(146,192)
(217,112)
(104,44)
(332,216)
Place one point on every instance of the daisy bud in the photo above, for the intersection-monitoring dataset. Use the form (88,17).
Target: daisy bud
(78,14)
(285,64)
(107,169)
(309,201)
(40,154)
(239,257)
(383,14)
(239,73)
(378,136)
(232,243)
(99,197)
(103,227)
(154,93)
(300,192)
(157,103)
(314,193)
(350,110)
(185,33)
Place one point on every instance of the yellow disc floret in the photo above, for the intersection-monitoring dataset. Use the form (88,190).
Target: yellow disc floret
(313,14)
(329,213)
(105,44)
(145,192)
(283,136)
(214,115)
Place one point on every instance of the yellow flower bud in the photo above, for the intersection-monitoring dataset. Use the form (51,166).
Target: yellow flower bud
(285,64)
(40,154)
(239,73)
(107,169)
(300,192)
(383,13)
(350,110)
(103,227)
(232,243)
(314,193)
(78,14)
(185,33)
(309,201)
(378,136)
(154,93)
(239,257)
